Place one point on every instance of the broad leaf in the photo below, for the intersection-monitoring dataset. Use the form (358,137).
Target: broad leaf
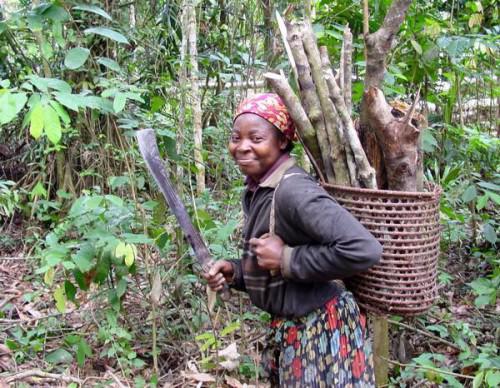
(36,121)
(60,111)
(490,234)
(469,194)
(70,101)
(59,356)
(52,124)
(108,33)
(110,64)
(60,298)
(119,102)
(93,9)
(76,57)
(82,352)
(10,105)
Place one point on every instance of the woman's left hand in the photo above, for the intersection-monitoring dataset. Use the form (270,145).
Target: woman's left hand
(268,251)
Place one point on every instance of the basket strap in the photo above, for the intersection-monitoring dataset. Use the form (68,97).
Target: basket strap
(272,214)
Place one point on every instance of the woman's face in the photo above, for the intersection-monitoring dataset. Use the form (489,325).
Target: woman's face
(255,145)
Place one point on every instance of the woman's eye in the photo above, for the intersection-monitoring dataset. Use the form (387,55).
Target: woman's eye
(257,139)
(235,138)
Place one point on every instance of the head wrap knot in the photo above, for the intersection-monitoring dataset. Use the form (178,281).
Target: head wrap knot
(271,108)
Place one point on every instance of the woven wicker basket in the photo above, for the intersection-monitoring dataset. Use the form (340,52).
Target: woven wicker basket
(407,225)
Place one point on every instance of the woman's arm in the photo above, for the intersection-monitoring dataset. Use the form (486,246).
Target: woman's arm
(339,246)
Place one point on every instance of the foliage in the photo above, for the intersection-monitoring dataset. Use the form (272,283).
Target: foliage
(76,79)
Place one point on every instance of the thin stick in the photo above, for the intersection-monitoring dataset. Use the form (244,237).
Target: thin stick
(423,332)
(44,375)
(437,370)
(283,31)
(346,66)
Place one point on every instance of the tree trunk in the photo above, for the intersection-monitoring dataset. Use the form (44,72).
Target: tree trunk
(195,96)
(183,81)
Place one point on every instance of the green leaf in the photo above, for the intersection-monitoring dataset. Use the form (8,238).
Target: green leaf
(481,202)
(121,287)
(10,105)
(38,191)
(70,290)
(56,13)
(36,121)
(47,50)
(118,181)
(119,102)
(108,33)
(110,64)
(83,350)
(127,251)
(70,101)
(494,196)
(76,57)
(52,124)
(488,185)
(489,233)
(94,9)
(482,300)
(416,46)
(493,378)
(478,380)
(59,85)
(60,299)
(132,238)
(59,356)
(83,258)
(60,111)
(469,194)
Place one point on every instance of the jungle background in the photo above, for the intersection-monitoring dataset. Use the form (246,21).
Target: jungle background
(97,286)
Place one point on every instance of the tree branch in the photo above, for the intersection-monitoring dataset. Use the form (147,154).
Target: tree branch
(379,43)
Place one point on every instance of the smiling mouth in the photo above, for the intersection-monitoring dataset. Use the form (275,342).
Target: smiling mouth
(245,162)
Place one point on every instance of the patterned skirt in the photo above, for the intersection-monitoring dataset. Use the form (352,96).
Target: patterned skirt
(326,348)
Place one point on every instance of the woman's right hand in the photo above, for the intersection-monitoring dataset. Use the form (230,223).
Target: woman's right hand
(219,273)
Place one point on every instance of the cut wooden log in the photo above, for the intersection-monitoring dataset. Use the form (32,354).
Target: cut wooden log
(365,171)
(337,143)
(297,113)
(310,100)
(398,139)
(351,164)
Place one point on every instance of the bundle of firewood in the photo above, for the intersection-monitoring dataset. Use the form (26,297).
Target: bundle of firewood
(323,112)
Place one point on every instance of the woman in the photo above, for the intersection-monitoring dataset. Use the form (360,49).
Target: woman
(292,269)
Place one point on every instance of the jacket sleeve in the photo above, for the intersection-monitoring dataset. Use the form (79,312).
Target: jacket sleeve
(238,282)
(338,246)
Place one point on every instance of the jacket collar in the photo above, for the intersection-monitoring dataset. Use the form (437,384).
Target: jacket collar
(272,180)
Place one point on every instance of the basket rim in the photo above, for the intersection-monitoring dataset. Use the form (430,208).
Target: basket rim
(434,194)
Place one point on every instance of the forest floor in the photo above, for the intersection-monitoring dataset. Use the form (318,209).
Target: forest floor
(36,347)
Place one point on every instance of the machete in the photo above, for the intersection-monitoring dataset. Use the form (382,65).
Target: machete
(149,151)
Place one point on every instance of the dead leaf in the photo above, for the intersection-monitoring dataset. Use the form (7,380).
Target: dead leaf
(233,383)
(201,377)
(230,352)
(4,350)
(229,364)
(212,298)
(156,289)
(192,366)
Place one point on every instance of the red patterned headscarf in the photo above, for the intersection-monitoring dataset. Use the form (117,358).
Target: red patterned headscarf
(270,107)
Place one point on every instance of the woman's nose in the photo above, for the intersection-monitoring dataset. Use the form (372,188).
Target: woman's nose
(244,145)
